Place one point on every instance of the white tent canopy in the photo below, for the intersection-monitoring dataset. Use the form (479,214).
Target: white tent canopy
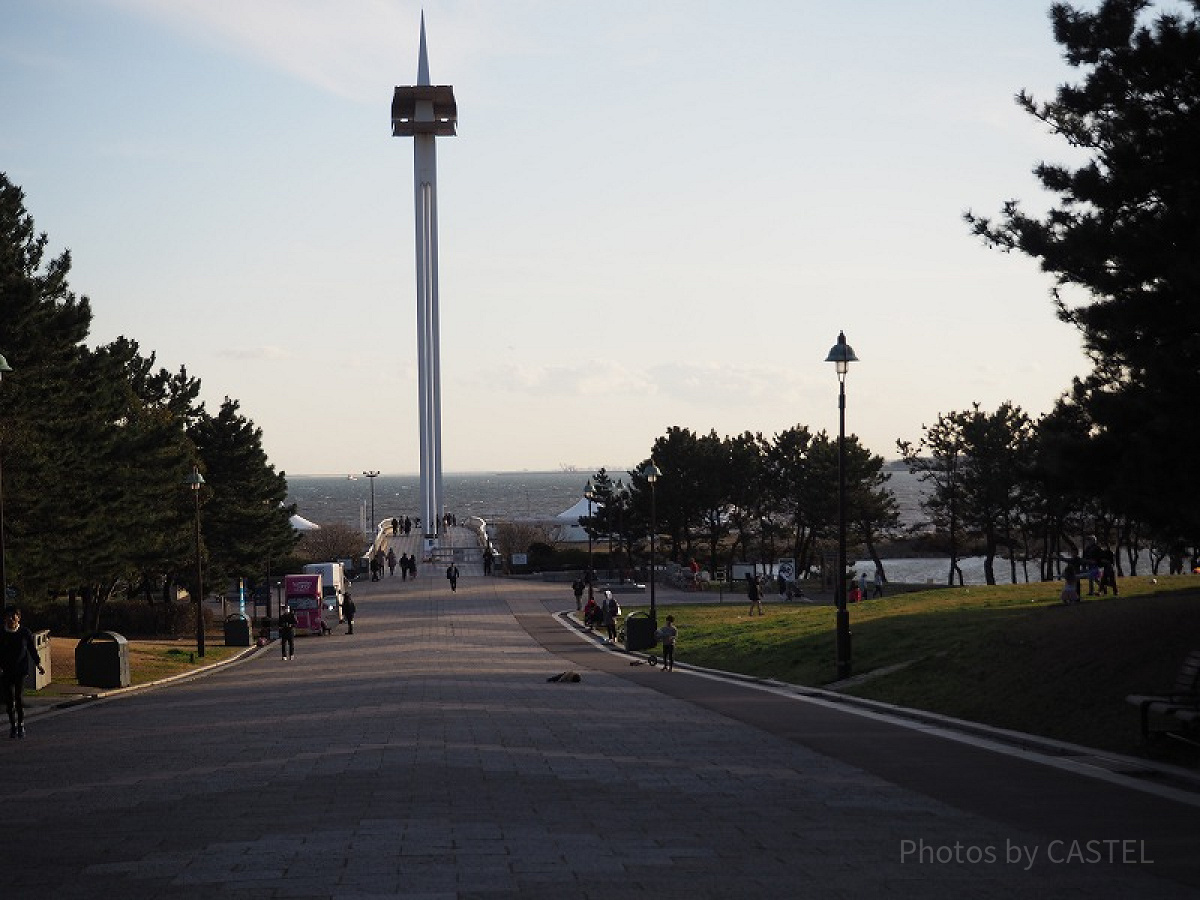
(568,529)
(302,524)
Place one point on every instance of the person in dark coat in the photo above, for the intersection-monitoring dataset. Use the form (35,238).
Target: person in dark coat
(348,610)
(18,651)
(754,592)
(287,632)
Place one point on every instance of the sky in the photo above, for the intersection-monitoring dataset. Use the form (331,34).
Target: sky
(654,214)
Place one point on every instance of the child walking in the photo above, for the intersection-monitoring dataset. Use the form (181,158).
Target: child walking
(667,634)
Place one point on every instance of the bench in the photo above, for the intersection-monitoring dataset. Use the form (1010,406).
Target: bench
(1182,703)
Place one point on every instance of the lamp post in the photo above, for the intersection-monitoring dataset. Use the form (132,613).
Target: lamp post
(4,367)
(619,498)
(841,355)
(195,480)
(590,493)
(652,472)
(373,474)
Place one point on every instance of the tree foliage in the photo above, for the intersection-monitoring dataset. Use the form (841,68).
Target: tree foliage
(97,443)
(973,463)
(749,497)
(1123,243)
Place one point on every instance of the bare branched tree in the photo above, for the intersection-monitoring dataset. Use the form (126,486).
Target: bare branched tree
(517,537)
(331,542)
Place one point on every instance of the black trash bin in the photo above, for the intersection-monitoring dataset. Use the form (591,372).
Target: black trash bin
(639,631)
(102,660)
(237,631)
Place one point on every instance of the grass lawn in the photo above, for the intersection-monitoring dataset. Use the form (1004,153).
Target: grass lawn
(1012,656)
(148,661)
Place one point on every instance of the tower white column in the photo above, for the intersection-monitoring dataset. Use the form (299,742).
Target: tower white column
(425,112)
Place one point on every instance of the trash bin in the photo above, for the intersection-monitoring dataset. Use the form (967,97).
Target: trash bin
(237,631)
(102,660)
(639,631)
(35,680)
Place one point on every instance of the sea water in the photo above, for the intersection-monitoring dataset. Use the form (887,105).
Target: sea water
(509,496)
(494,497)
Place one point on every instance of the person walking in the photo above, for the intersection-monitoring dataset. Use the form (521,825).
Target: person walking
(391,561)
(452,574)
(287,632)
(612,609)
(667,634)
(1070,591)
(754,593)
(1108,571)
(348,609)
(18,650)
(577,587)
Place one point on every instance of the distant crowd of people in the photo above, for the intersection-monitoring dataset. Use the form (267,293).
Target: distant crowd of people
(389,561)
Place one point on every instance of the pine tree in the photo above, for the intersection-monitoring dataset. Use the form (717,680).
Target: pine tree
(45,417)
(1123,243)
(244,522)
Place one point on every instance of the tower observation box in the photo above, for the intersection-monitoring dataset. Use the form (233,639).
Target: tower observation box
(424,109)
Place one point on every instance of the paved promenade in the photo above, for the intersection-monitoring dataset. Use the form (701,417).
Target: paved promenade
(427,756)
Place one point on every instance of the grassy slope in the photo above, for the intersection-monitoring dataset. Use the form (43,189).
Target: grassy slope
(1010,656)
(148,661)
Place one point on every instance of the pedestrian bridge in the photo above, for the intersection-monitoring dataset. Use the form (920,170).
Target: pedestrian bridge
(463,545)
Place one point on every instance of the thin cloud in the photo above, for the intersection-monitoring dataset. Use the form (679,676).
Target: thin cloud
(347,49)
(265,353)
(338,47)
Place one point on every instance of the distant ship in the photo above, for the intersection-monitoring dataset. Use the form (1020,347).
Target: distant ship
(567,469)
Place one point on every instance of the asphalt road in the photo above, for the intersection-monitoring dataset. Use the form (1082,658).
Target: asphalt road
(427,756)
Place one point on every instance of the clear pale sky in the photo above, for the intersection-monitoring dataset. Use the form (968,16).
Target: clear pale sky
(654,213)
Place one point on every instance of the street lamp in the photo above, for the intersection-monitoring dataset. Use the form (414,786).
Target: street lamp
(590,493)
(619,498)
(841,355)
(652,472)
(373,474)
(4,367)
(195,480)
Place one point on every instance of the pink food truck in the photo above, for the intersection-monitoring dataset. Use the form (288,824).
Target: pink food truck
(303,594)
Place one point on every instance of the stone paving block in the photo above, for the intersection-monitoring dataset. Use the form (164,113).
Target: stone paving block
(432,760)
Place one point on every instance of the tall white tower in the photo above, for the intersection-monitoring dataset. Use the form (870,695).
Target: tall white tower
(425,112)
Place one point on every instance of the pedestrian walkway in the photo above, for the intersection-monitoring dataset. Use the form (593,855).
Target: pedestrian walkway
(427,756)
(452,539)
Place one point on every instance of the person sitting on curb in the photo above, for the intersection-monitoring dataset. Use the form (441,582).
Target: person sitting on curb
(591,614)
